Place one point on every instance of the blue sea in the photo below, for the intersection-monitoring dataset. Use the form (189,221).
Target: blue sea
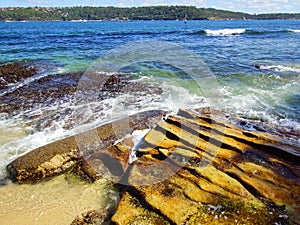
(248,69)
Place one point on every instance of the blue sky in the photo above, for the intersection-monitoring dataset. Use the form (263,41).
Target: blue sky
(250,6)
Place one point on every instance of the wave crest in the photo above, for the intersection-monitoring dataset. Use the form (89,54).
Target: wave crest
(279,68)
(294,31)
(224,32)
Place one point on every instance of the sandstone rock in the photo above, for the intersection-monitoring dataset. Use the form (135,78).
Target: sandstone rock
(45,161)
(92,217)
(136,213)
(77,150)
(191,169)
(198,170)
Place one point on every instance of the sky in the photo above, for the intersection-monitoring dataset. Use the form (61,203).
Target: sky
(249,6)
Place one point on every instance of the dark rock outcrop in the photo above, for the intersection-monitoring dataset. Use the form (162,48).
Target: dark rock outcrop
(71,87)
(14,72)
(40,92)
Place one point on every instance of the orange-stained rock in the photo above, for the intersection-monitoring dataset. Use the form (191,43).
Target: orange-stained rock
(136,213)
(60,156)
(194,169)
(191,169)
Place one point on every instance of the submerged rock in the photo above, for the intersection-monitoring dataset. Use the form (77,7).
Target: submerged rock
(13,72)
(91,217)
(57,96)
(191,169)
(40,92)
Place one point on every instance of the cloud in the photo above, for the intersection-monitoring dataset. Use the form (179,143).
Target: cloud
(259,6)
(268,5)
(151,2)
(199,3)
(251,6)
(38,2)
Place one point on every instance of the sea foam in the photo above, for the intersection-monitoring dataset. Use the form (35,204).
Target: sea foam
(224,32)
(279,68)
(295,31)
(50,122)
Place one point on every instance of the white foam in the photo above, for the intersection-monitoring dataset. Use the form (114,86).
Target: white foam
(137,138)
(290,123)
(280,68)
(57,120)
(77,21)
(75,117)
(224,32)
(295,31)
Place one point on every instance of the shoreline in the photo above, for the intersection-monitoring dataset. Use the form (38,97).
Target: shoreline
(145,20)
(134,13)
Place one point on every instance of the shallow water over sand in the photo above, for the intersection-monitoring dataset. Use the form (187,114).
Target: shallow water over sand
(55,202)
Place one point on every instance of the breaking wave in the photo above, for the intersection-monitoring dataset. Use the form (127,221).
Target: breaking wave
(242,31)
(278,68)
(295,31)
(224,32)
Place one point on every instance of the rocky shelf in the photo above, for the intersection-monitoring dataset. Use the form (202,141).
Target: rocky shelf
(189,169)
(14,72)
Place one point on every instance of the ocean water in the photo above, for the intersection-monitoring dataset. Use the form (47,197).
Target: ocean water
(250,69)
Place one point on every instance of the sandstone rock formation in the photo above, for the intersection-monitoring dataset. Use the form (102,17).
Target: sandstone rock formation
(197,170)
(191,169)
(60,156)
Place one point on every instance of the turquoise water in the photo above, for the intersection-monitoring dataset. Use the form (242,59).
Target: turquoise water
(76,44)
(254,68)
(72,46)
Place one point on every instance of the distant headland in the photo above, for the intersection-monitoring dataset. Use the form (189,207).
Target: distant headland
(133,13)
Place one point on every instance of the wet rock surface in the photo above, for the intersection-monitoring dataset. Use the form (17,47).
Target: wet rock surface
(75,151)
(40,92)
(62,88)
(49,90)
(191,169)
(92,217)
(13,72)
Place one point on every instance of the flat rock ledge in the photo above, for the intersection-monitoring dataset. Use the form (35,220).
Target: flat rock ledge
(190,169)
(63,155)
